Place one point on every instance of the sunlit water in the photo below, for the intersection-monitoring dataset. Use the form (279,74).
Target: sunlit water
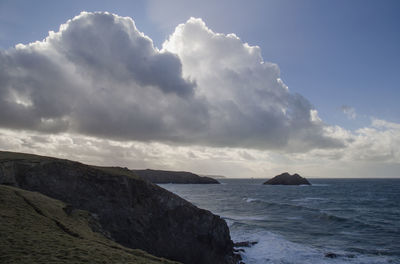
(357,219)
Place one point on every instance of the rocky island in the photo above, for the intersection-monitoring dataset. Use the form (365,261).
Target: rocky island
(287,179)
(128,213)
(180,177)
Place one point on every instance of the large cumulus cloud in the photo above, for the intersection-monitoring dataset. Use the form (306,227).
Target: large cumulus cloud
(100,76)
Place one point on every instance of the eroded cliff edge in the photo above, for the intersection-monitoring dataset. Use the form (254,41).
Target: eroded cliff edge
(136,213)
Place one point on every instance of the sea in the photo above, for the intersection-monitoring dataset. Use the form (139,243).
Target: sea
(358,220)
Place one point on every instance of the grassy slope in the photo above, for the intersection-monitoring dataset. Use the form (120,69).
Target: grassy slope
(6,155)
(35,229)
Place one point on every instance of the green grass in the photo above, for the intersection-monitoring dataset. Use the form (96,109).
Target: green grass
(8,156)
(35,229)
(117,171)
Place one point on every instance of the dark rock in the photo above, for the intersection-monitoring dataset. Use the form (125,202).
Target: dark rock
(245,244)
(287,179)
(68,209)
(331,255)
(181,177)
(136,213)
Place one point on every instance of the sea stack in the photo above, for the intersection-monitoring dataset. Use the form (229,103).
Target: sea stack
(287,179)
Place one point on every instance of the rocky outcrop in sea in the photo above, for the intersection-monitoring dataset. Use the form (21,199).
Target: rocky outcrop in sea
(287,179)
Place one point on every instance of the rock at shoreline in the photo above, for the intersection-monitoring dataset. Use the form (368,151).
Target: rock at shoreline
(287,179)
(135,213)
(180,177)
(245,244)
(331,255)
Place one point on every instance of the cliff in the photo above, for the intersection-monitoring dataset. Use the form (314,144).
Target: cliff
(287,179)
(37,229)
(182,177)
(135,213)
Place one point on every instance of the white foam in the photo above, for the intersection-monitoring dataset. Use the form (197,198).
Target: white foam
(275,249)
(229,222)
(308,199)
(255,218)
(237,218)
(272,248)
(249,200)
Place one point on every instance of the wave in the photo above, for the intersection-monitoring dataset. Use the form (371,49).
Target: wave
(278,204)
(274,248)
(294,218)
(375,252)
(357,224)
(319,212)
(308,199)
(314,213)
(249,200)
(228,221)
(233,219)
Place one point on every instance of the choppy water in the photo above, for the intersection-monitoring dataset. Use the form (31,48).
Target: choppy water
(357,219)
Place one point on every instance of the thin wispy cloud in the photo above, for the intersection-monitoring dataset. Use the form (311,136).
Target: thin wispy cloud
(349,111)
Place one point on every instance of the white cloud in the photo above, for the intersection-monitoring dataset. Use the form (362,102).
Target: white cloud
(379,142)
(249,105)
(100,76)
(372,151)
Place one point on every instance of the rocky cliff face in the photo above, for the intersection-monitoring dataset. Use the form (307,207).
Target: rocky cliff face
(287,179)
(136,213)
(181,177)
(37,229)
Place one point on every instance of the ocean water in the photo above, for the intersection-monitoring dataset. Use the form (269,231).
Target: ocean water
(357,219)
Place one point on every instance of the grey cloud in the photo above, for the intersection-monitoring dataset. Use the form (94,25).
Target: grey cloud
(100,76)
(246,155)
(110,47)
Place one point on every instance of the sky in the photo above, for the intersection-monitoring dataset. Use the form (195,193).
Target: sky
(234,88)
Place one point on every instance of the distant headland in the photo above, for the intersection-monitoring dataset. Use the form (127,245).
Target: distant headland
(179,177)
